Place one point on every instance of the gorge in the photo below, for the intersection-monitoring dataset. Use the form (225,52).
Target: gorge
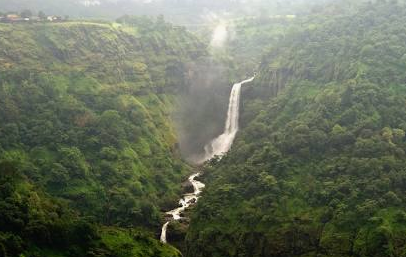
(106,124)
(217,147)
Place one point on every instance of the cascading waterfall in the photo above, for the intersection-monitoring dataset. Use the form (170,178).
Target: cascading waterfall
(185,202)
(218,146)
(163,232)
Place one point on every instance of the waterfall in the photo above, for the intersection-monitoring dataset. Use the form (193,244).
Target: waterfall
(220,145)
(163,232)
(184,203)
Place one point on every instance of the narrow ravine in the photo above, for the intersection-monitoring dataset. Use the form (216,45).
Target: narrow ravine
(217,147)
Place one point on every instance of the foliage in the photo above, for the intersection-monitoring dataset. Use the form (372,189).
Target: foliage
(318,169)
(85,120)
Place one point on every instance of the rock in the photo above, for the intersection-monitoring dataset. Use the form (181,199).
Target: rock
(187,187)
(192,201)
(176,234)
(184,220)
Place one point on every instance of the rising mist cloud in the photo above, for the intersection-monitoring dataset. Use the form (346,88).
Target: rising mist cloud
(219,35)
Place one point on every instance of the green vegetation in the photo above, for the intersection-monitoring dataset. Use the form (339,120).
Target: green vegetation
(251,37)
(89,156)
(319,166)
(85,135)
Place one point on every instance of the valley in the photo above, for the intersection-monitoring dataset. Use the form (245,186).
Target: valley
(215,148)
(213,129)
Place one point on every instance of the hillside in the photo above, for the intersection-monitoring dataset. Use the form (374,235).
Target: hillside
(88,152)
(318,168)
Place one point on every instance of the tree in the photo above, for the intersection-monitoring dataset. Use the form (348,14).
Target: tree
(160,20)
(74,161)
(26,14)
(42,15)
(392,199)
(398,135)
(387,134)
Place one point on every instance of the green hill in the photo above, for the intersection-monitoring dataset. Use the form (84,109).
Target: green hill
(318,168)
(86,140)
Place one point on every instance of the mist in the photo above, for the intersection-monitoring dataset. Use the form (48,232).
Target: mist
(183,12)
(202,110)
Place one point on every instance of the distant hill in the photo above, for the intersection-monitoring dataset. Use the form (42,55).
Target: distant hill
(179,11)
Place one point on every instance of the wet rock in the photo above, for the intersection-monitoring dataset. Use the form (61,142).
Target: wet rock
(176,234)
(187,187)
(192,201)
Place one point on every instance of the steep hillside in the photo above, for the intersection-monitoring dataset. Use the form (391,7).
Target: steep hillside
(86,140)
(318,170)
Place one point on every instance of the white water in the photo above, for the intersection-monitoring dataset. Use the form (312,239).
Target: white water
(185,202)
(163,232)
(217,146)
(220,145)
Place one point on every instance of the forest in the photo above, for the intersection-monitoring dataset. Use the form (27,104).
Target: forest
(101,119)
(88,154)
(318,168)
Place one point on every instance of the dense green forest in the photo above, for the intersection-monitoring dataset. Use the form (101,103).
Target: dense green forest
(319,166)
(88,152)
(97,119)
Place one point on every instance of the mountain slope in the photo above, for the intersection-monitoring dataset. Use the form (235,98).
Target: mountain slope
(318,170)
(86,139)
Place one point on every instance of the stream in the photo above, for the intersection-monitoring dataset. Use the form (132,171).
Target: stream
(185,202)
(217,147)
